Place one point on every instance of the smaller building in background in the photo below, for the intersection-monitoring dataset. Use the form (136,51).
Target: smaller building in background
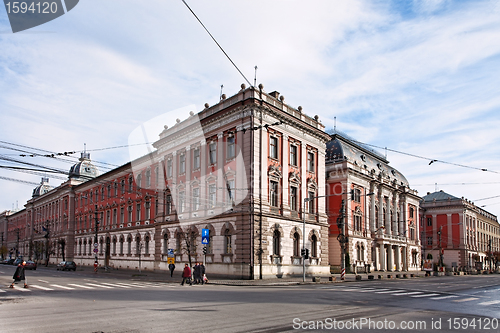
(465,235)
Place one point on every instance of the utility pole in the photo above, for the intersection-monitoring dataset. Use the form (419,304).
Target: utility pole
(490,256)
(440,249)
(96,263)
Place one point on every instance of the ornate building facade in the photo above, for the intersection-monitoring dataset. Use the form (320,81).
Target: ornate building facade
(241,169)
(465,235)
(381,211)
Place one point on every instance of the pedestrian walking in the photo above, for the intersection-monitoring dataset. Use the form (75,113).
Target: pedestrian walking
(196,273)
(19,275)
(171,267)
(202,273)
(186,275)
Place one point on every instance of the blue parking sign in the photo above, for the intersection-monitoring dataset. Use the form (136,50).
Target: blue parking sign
(205,236)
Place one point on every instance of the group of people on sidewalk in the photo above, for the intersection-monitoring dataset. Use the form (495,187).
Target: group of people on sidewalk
(198,276)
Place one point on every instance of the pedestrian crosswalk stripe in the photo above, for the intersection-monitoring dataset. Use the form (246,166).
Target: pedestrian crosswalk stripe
(389,292)
(21,288)
(62,287)
(444,297)
(2,291)
(40,287)
(489,303)
(131,285)
(465,299)
(79,286)
(115,285)
(408,293)
(425,295)
(99,285)
(43,281)
(151,284)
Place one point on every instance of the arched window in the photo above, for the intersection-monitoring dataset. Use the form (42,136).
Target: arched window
(121,245)
(138,245)
(227,242)
(296,244)
(362,253)
(114,246)
(276,243)
(358,248)
(314,246)
(146,245)
(165,243)
(129,245)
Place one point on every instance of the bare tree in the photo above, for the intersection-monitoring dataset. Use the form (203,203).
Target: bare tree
(188,239)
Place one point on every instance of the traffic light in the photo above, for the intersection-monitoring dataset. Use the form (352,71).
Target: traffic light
(204,250)
(306,256)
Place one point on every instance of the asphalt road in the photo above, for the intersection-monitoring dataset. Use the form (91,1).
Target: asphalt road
(83,302)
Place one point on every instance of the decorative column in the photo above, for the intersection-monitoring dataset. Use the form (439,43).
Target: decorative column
(284,180)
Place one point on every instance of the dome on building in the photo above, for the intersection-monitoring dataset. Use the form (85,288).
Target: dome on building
(43,188)
(83,170)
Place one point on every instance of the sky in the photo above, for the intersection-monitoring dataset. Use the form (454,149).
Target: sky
(420,78)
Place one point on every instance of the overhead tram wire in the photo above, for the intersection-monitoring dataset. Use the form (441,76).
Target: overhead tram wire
(213,38)
(432,160)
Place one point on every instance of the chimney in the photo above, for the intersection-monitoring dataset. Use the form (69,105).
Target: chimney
(275,94)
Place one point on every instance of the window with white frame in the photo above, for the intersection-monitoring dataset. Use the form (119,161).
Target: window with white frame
(138,212)
(314,246)
(212,152)
(148,210)
(182,164)
(293,155)
(273,147)
(273,193)
(311,202)
(182,202)
(196,158)
(296,244)
(276,243)
(169,168)
(310,161)
(230,147)
(196,198)
(227,242)
(148,178)
(293,198)
(230,190)
(212,195)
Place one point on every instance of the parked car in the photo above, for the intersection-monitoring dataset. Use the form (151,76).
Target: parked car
(66,265)
(30,265)
(18,261)
(8,261)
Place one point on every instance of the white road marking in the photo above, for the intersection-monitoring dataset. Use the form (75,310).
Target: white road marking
(43,281)
(79,286)
(99,285)
(444,297)
(489,303)
(2,291)
(40,287)
(465,299)
(425,295)
(409,293)
(389,292)
(132,285)
(21,288)
(62,287)
(115,285)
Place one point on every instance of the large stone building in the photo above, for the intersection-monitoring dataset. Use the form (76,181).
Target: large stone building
(465,235)
(381,211)
(240,168)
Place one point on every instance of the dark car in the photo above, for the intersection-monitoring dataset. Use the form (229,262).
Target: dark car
(18,261)
(66,265)
(30,265)
(8,261)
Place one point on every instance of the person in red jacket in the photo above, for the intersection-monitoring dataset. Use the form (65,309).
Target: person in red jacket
(186,275)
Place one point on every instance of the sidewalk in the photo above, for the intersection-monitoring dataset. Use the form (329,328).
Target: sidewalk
(164,277)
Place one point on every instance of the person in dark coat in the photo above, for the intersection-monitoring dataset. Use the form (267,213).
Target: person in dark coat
(19,275)
(196,273)
(171,267)
(186,275)
(202,273)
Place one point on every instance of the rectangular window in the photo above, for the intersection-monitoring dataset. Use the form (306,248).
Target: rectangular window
(182,202)
(230,147)
(293,198)
(311,202)
(429,221)
(148,210)
(212,195)
(182,164)
(273,193)
(130,185)
(293,155)
(310,161)
(138,212)
(230,190)
(122,215)
(273,147)
(196,198)
(196,159)
(169,168)
(356,195)
(123,186)
(115,216)
(109,191)
(213,152)
(429,240)
(168,206)
(156,207)
(130,214)
(148,178)
(116,189)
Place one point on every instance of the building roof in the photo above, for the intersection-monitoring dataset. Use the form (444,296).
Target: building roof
(344,148)
(438,196)
(83,170)
(43,188)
